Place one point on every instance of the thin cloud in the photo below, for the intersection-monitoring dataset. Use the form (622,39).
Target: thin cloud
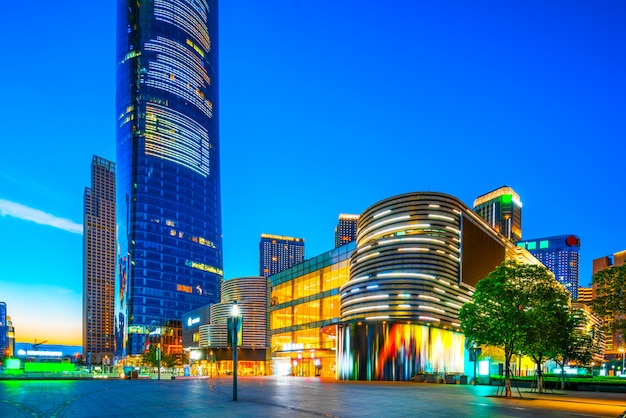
(25,213)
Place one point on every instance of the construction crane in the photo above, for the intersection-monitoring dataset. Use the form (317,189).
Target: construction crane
(36,345)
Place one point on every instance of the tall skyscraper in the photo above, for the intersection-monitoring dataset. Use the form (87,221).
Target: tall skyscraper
(345,231)
(502,209)
(278,253)
(99,263)
(10,349)
(169,230)
(560,255)
(4,329)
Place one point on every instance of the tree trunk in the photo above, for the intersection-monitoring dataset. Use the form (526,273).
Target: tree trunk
(562,375)
(539,378)
(507,379)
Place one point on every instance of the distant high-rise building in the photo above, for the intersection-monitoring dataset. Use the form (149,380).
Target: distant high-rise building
(613,260)
(99,263)
(502,209)
(278,253)
(4,329)
(345,231)
(560,255)
(585,295)
(616,341)
(169,228)
(10,350)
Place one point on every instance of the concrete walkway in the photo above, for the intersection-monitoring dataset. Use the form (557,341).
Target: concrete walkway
(288,397)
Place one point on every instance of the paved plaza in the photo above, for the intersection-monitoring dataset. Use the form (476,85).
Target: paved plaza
(288,397)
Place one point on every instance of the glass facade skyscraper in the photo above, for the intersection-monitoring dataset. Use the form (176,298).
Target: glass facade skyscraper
(169,254)
(559,254)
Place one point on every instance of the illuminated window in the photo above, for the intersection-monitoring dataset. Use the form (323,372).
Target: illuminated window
(532,245)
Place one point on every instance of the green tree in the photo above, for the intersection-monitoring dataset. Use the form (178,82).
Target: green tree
(610,298)
(150,357)
(503,309)
(573,343)
(169,360)
(549,321)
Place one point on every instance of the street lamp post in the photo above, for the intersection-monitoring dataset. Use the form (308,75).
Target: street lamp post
(235,321)
(157,332)
(211,365)
(475,360)
(621,350)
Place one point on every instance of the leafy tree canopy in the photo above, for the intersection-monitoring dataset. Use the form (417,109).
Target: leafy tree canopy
(498,313)
(513,308)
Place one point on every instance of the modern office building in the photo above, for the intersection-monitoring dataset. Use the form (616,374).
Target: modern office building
(169,232)
(4,330)
(304,311)
(278,252)
(418,257)
(99,263)
(616,342)
(560,255)
(345,231)
(250,293)
(502,210)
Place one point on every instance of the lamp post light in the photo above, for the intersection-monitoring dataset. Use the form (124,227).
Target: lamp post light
(621,350)
(474,350)
(157,332)
(211,365)
(235,323)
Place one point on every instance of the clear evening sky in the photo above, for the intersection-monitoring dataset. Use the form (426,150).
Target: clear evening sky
(326,107)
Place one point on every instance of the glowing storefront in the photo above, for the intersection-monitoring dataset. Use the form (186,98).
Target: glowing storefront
(418,257)
(304,306)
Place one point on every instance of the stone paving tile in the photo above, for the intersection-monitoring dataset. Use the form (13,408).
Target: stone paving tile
(286,397)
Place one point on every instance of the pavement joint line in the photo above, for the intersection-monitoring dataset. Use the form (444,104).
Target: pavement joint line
(60,407)
(22,407)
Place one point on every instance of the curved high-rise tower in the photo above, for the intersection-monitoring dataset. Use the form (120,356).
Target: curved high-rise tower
(169,252)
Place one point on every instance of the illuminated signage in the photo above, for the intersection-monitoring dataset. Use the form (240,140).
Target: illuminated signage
(40,353)
(193,321)
(293,347)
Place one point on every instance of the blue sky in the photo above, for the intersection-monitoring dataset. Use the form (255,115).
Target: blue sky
(326,108)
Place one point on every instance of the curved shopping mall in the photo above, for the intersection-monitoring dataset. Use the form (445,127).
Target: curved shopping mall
(417,258)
